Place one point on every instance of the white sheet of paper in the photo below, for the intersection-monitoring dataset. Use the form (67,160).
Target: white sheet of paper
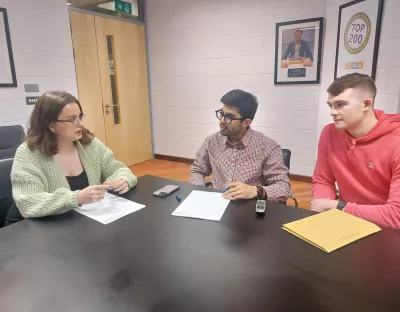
(111,208)
(202,205)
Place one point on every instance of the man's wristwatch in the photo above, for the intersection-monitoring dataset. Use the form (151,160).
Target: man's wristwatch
(341,205)
(261,193)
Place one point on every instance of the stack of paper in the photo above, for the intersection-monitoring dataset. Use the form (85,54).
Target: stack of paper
(331,230)
(111,208)
(202,205)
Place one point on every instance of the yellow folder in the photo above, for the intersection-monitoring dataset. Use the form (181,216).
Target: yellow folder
(331,229)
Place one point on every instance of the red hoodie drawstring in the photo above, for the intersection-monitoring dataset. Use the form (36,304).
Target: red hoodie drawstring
(353,145)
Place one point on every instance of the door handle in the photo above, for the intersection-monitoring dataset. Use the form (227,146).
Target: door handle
(107,106)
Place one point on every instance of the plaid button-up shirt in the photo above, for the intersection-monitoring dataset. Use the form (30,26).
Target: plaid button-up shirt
(255,160)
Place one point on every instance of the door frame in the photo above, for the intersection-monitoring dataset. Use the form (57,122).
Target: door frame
(122,19)
(144,24)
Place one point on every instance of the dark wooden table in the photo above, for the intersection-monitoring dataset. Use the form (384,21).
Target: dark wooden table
(152,261)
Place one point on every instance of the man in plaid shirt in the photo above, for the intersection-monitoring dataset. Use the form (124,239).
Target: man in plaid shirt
(243,162)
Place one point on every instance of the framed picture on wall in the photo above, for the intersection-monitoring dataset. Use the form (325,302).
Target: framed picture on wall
(357,44)
(7,68)
(298,51)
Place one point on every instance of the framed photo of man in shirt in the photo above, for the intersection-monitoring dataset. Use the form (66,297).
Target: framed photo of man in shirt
(298,51)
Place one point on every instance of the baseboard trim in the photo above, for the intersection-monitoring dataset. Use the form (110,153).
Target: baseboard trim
(300,178)
(189,161)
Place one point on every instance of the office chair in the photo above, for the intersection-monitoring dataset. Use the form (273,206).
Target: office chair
(10,138)
(6,200)
(287,154)
(286,160)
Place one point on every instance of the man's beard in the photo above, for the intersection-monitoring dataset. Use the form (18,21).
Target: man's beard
(225,132)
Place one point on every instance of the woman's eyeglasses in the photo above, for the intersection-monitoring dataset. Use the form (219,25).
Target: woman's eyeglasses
(228,118)
(74,121)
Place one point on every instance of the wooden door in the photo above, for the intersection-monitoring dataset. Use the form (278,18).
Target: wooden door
(123,75)
(111,69)
(87,72)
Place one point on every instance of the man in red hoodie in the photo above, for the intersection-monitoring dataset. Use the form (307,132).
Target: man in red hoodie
(360,151)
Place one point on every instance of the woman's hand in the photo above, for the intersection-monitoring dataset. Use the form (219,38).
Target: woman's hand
(91,194)
(118,186)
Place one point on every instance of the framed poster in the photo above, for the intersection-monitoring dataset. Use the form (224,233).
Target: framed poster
(7,69)
(298,51)
(357,44)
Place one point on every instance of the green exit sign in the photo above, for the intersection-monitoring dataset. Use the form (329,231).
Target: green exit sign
(123,7)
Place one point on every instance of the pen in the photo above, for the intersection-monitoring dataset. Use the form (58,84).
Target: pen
(178,198)
(225,189)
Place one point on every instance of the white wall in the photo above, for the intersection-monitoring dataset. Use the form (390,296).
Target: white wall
(199,50)
(388,66)
(42,47)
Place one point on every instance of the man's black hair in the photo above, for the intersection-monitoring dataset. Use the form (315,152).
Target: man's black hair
(246,102)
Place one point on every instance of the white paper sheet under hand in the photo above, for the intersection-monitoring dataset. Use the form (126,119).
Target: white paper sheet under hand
(202,205)
(111,208)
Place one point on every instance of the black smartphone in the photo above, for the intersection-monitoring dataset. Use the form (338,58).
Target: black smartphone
(165,191)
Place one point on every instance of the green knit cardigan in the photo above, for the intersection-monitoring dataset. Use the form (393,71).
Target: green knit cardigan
(41,189)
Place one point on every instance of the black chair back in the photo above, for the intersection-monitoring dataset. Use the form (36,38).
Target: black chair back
(5,177)
(286,157)
(10,138)
(6,200)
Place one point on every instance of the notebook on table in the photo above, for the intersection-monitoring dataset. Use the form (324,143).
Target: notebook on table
(331,229)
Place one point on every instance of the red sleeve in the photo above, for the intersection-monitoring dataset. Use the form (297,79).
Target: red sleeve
(323,184)
(387,215)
